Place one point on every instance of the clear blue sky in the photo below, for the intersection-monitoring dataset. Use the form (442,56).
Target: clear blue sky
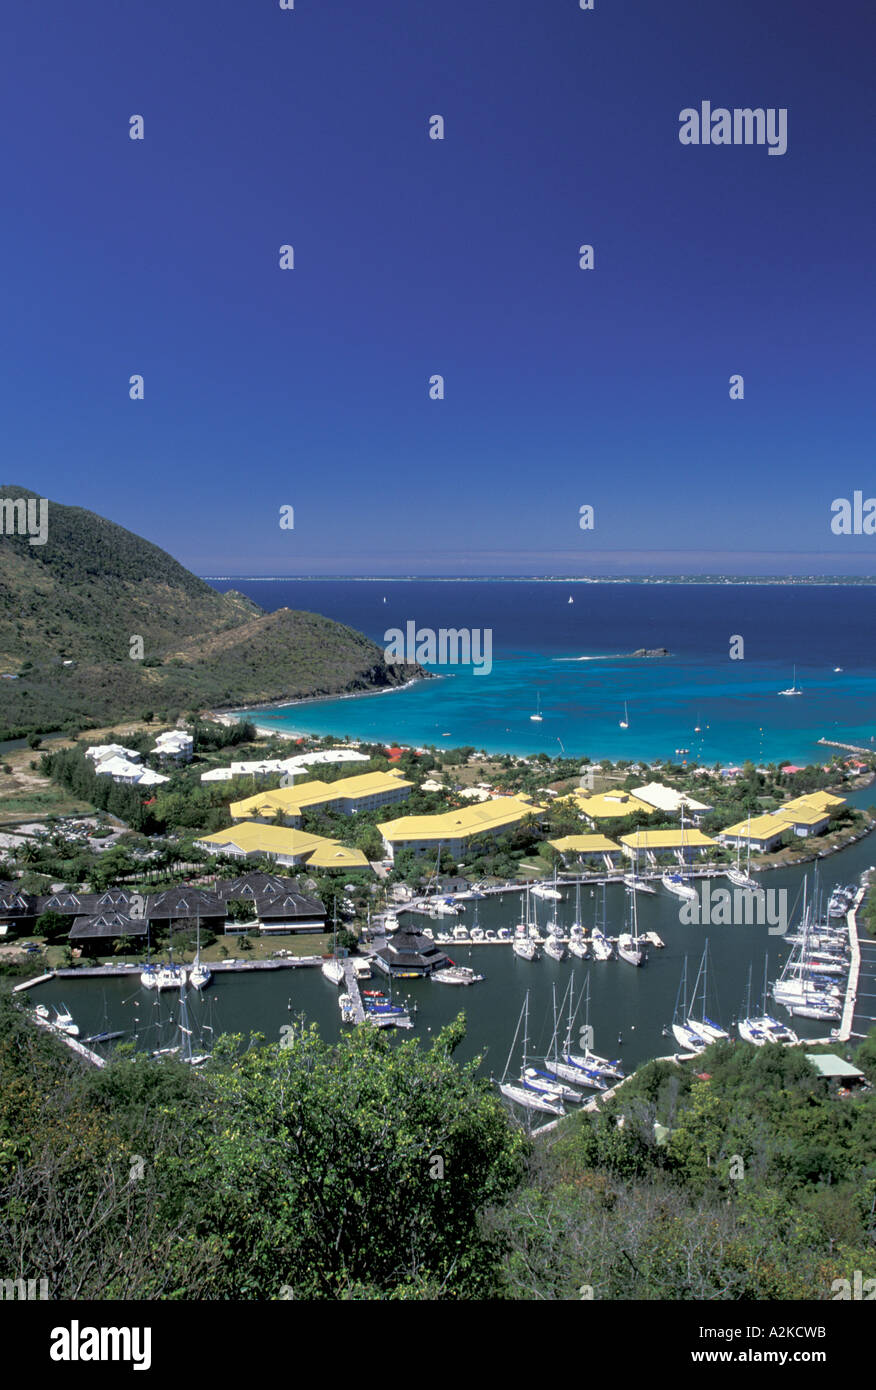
(413,256)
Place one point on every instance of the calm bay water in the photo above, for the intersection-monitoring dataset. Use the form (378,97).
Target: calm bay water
(538,636)
(633,1004)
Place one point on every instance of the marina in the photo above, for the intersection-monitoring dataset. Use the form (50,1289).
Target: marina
(629,1009)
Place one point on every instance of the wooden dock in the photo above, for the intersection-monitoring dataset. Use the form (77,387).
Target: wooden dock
(352,983)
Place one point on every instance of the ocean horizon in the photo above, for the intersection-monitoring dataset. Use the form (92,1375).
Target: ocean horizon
(572,660)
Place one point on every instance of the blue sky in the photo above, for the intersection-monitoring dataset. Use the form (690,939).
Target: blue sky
(308,388)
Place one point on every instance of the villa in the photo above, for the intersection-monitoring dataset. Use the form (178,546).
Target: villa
(174,746)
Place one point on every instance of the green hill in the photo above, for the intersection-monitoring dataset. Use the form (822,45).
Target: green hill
(82,596)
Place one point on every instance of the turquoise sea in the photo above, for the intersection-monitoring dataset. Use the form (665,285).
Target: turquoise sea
(538,642)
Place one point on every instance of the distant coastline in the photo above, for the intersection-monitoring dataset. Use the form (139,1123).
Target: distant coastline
(668,580)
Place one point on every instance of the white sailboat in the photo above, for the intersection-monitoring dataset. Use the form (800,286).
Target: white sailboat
(628,947)
(742,877)
(625,722)
(332,968)
(537,717)
(525,1094)
(633,880)
(792,688)
(703,1025)
(199,975)
(686,1037)
(602,947)
(674,882)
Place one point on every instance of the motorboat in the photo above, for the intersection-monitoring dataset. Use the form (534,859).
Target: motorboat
(63,1021)
(456,975)
(347,1008)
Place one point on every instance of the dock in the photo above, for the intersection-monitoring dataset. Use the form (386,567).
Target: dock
(351,981)
(77,1047)
(844,1031)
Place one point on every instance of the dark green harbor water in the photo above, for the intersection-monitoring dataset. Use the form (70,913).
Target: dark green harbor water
(627,1003)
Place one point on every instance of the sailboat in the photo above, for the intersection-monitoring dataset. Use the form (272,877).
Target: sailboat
(545,890)
(537,717)
(527,1095)
(686,1036)
(792,688)
(333,968)
(602,947)
(602,1067)
(577,945)
(742,877)
(633,880)
(625,722)
(571,600)
(199,975)
(185,1032)
(703,1025)
(628,947)
(525,944)
(674,881)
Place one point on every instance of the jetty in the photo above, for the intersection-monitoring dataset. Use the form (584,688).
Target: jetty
(351,980)
(849,747)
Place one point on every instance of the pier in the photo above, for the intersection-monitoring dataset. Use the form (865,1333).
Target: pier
(351,981)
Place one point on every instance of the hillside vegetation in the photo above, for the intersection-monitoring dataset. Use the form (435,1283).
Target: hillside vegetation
(94,586)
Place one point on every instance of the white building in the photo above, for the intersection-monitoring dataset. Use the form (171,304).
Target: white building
(175,746)
(672,802)
(100,752)
(132,774)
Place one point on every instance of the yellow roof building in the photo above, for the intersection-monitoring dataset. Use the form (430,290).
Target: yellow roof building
(610,805)
(369,789)
(817,801)
(458,826)
(689,838)
(585,844)
(251,839)
(767,827)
